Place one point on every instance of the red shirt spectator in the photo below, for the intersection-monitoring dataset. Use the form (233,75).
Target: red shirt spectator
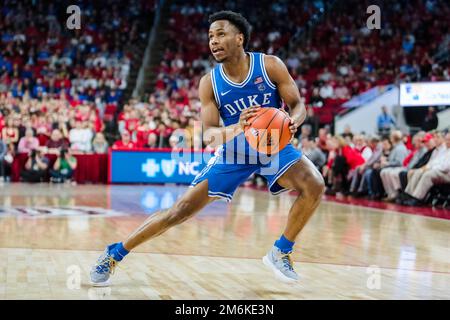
(352,156)
(125,143)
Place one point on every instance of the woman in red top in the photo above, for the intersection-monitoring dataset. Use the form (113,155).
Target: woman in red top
(10,133)
(342,161)
(125,143)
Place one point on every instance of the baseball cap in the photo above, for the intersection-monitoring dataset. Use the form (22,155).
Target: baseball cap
(427,137)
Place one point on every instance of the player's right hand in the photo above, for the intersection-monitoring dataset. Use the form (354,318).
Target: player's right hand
(247,114)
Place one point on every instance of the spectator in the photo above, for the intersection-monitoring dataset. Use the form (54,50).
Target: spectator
(312,120)
(316,99)
(430,122)
(125,142)
(10,133)
(8,160)
(435,172)
(359,142)
(326,91)
(322,141)
(56,142)
(385,122)
(3,150)
(390,177)
(99,144)
(80,137)
(342,162)
(313,153)
(361,181)
(28,142)
(35,167)
(304,132)
(63,167)
(152,141)
(395,159)
(347,134)
(431,152)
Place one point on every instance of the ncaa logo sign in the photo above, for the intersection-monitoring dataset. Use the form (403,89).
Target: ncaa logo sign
(168,167)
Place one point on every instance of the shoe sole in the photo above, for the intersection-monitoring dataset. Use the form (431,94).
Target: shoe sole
(278,274)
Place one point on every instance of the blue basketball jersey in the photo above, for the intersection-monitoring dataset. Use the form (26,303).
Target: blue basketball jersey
(256,89)
(232,98)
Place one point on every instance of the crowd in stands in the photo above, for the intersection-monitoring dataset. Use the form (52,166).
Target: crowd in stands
(390,166)
(60,88)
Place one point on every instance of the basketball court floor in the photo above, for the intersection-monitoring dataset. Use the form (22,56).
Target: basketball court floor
(51,234)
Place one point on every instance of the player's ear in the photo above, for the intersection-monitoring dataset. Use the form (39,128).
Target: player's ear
(240,38)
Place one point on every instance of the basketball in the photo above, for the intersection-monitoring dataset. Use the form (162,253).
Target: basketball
(268,131)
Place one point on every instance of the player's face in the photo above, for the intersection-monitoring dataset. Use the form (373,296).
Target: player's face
(224,40)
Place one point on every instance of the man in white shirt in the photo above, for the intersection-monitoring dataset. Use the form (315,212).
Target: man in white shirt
(80,137)
(326,91)
(437,171)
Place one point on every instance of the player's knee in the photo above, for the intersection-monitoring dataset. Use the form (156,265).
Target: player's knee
(314,187)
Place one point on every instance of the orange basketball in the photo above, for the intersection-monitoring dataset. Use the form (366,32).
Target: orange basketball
(268,131)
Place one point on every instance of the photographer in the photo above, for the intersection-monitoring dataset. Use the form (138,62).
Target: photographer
(35,168)
(64,167)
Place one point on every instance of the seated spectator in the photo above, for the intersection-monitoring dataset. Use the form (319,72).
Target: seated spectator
(80,137)
(361,179)
(3,150)
(343,160)
(322,141)
(152,141)
(28,142)
(125,142)
(316,99)
(64,167)
(35,167)
(348,134)
(312,120)
(390,177)
(8,160)
(430,152)
(361,146)
(56,142)
(99,144)
(313,153)
(304,132)
(396,157)
(326,91)
(10,133)
(435,172)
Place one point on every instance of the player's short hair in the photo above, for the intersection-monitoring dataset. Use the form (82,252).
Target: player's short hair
(235,19)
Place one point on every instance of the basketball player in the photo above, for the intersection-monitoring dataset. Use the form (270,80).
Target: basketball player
(240,84)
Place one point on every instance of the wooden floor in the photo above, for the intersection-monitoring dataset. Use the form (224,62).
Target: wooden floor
(50,236)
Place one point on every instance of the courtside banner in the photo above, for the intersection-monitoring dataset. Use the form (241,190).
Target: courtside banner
(156,165)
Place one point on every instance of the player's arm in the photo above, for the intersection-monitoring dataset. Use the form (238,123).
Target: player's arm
(279,75)
(214,134)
